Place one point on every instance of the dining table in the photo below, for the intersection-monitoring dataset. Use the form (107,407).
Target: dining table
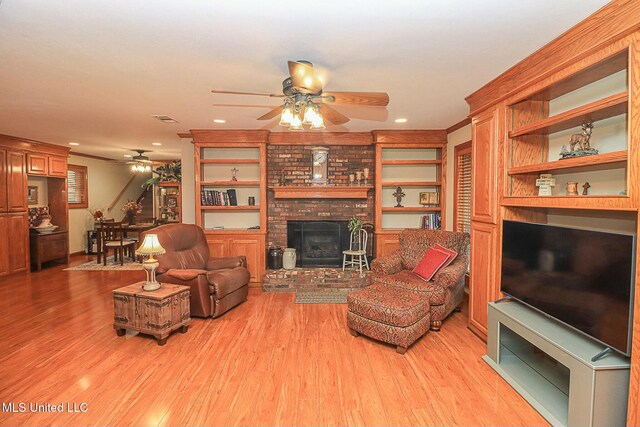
(137,228)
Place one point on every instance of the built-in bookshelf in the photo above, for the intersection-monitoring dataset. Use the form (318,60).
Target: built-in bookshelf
(230,170)
(410,164)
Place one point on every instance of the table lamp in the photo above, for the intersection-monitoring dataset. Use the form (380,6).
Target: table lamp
(150,246)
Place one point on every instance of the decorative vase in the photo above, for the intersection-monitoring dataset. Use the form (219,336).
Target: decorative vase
(289,259)
(131,218)
(572,188)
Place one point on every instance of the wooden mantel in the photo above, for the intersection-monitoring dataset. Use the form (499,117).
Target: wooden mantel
(322,192)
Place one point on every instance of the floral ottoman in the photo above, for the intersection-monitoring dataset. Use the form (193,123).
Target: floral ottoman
(395,316)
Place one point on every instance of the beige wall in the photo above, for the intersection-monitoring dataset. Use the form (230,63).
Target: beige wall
(106,180)
(458,137)
(188,183)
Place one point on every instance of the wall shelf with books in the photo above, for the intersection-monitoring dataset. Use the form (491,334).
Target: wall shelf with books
(230,172)
(409,165)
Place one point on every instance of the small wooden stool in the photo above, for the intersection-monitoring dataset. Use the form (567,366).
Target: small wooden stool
(395,316)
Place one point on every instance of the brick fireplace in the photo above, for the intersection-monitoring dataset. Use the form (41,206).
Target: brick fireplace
(293,162)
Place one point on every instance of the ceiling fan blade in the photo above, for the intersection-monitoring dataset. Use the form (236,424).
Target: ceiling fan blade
(302,77)
(333,115)
(231,92)
(243,105)
(377,99)
(271,114)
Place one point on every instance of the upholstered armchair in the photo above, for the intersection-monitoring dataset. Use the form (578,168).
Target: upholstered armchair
(217,284)
(445,290)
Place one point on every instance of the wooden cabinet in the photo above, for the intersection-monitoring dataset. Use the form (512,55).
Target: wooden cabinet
(386,243)
(58,166)
(482,282)
(13,243)
(168,206)
(250,245)
(48,247)
(4,203)
(16,182)
(37,164)
(484,168)
(46,165)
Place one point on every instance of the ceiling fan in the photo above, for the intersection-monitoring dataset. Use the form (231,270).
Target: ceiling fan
(140,163)
(305,101)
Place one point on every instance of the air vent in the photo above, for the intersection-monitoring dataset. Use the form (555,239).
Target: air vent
(165,119)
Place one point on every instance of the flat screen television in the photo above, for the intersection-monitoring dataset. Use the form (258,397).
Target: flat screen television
(583,278)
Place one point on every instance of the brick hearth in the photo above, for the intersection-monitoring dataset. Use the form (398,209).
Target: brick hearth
(313,278)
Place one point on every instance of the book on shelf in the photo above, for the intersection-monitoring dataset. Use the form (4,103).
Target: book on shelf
(431,221)
(233,199)
(218,198)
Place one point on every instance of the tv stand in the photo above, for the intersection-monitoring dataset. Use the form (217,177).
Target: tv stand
(551,366)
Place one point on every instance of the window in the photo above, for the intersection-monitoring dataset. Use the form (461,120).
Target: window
(77,187)
(462,188)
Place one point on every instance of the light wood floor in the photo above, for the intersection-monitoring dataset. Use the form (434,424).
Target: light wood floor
(267,362)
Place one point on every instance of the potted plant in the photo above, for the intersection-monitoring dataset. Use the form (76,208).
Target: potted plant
(131,209)
(354,225)
(168,172)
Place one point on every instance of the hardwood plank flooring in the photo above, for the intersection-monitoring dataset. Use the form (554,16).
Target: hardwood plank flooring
(266,362)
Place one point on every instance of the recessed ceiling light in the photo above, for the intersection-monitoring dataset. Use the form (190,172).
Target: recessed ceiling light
(401,120)
(128,155)
(156,143)
(73,143)
(219,121)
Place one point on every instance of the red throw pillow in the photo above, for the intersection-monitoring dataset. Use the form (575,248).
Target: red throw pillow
(452,254)
(430,264)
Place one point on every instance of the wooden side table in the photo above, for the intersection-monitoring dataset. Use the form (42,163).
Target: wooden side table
(156,313)
(48,247)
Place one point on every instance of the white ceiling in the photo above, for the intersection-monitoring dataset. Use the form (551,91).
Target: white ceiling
(95,71)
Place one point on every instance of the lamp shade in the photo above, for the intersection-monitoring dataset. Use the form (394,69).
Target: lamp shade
(150,246)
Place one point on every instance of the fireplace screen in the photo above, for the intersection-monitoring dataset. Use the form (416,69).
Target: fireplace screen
(318,243)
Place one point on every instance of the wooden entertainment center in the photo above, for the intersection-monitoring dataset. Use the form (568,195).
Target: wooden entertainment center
(521,120)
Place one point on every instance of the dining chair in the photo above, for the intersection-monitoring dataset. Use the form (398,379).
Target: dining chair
(357,251)
(112,237)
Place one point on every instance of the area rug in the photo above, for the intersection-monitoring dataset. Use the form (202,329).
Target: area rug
(321,297)
(129,264)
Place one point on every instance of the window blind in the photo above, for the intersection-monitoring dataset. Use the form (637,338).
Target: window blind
(77,186)
(463,192)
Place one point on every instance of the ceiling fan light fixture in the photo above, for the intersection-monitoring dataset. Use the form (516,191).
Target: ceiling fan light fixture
(287,114)
(296,123)
(310,114)
(318,121)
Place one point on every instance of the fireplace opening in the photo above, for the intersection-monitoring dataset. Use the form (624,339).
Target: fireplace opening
(318,243)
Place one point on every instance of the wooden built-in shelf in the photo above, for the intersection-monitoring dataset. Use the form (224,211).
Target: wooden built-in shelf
(575,162)
(598,110)
(228,161)
(411,162)
(322,192)
(409,209)
(598,202)
(411,183)
(229,183)
(230,208)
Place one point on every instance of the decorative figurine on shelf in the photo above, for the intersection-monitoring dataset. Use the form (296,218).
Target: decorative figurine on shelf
(572,188)
(358,177)
(234,171)
(544,184)
(399,194)
(352,179)
(585,187)
(581,140)
(365,173)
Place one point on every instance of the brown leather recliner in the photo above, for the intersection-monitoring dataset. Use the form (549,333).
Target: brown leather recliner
(217,284)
